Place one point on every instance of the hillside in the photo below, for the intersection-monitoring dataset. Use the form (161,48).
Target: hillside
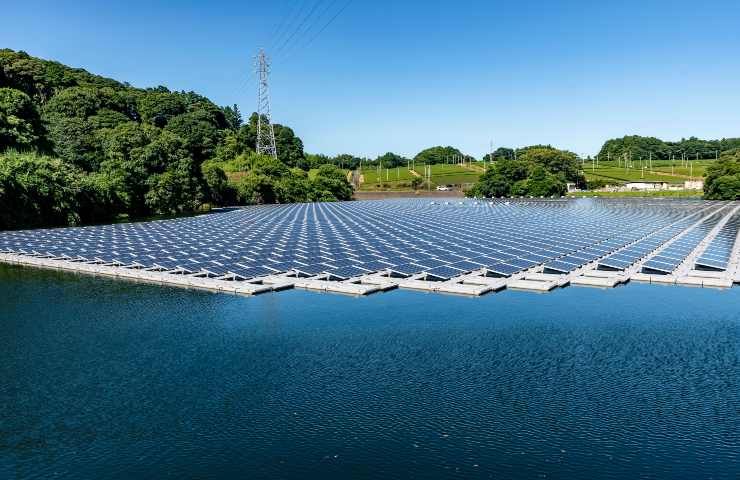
(80,148)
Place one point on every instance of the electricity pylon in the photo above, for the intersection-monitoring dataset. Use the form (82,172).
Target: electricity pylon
(265,132)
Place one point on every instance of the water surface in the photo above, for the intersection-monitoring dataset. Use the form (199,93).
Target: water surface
(105,379)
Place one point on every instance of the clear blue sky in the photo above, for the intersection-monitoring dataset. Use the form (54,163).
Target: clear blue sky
(403,75)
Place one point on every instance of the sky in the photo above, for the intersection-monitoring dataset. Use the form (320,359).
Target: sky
(368,77)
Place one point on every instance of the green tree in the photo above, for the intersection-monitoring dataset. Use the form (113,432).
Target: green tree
(558,162)
(416,182)
(175,191)
(217,184)
(158,107)
(20,123)
(332,180)
(723,177)
(199,131)
(436,155)
(233,117)
(74,140)
(37,191)
(392,160)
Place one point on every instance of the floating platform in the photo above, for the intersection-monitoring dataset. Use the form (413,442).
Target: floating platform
(466,247)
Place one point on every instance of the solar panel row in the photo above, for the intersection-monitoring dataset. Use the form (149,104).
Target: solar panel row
(717,254)
(405,237)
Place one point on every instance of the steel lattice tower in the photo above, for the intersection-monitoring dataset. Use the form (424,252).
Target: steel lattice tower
(265,132)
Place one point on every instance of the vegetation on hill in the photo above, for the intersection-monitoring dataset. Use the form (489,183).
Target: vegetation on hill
(635,146)
(538,171)
(80,148)
(723,177)
(434,155)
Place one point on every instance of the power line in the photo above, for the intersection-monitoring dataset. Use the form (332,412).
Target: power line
(284,27)
(298,28)
(326,25)
(319,19)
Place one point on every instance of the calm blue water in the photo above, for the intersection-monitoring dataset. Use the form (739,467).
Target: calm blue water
(103,379)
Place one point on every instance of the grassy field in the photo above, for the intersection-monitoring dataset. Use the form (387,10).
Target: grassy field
(400,178)
(610,172)
(658,171)
(659,193)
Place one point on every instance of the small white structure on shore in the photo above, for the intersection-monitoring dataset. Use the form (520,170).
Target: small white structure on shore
(693,185)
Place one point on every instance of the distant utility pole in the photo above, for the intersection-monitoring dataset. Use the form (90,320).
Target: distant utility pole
(265,131)
(490,158)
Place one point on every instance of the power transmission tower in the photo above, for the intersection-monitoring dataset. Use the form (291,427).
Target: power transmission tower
(265,132)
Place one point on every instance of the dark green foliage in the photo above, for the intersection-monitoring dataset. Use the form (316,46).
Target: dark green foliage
(217,185)
(158,108)
(38,191)
(233,117)
(20,124)
(289,146)
(723,178)
(330,184)
(436,155)
(539,172)
(539,183)
(135,152)
(199,130)
(391,160)
(344,161)
(74,141)
(635,146)
(559,162)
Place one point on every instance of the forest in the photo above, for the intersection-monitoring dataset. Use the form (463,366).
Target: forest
(77,148)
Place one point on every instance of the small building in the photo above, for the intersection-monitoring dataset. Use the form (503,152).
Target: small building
(644,186)
(693,185)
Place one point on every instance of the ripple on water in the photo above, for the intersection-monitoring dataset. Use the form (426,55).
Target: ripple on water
(105,379)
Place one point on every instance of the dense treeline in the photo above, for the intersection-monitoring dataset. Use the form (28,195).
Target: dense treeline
(80,148)
(693,148)
(537,171)
(723,177)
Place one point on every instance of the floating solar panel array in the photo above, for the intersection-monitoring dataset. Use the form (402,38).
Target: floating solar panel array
(674,254)
(717,255)
(402,238)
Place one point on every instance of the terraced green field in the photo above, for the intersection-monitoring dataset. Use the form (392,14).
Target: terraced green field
(400,178)
(661,171)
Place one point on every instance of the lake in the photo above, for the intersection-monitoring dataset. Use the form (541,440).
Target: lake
(105,379)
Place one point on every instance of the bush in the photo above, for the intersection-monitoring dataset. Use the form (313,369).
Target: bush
(723,177)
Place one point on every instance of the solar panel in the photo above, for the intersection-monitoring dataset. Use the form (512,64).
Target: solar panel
(410,236)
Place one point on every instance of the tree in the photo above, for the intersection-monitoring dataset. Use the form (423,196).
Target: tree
(436,155)
(723,177)
(217,183)
(233,117)
(82,102)
(159,107)
(391,160)
(20,123)
(332,180)
(175,191)
(416,182)
(539,171)
(74,141)
(289,146)
(558,162)
(199,131)
(540,183)
(37,191)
